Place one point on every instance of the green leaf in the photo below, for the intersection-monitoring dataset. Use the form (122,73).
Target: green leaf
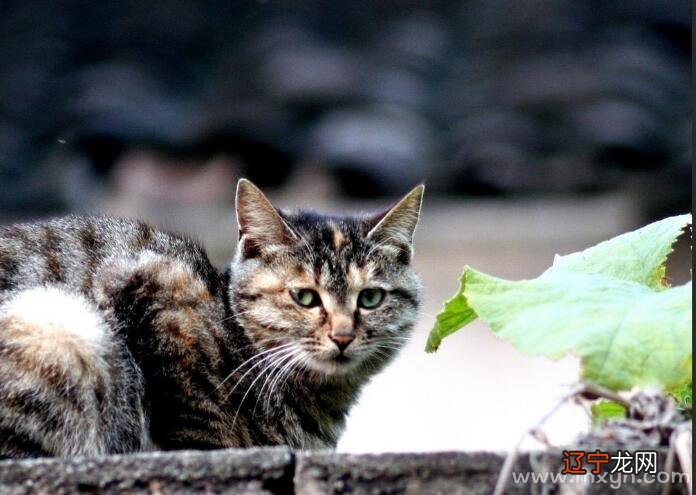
(604,410)
(608,305)
(637,256)
(454,315)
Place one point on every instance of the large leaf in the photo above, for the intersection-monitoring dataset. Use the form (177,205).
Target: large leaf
(609,305)
(637,256)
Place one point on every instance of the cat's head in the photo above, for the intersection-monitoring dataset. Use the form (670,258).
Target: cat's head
(323,293)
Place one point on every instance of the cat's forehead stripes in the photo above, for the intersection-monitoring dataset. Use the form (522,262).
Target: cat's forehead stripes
(357,275)
(339,238)
(333,238)
(338,260)
(334,255)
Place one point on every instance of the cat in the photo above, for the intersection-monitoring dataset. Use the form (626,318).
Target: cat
(116,337)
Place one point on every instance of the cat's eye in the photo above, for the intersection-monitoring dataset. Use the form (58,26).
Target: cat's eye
(370,298)
(308,298)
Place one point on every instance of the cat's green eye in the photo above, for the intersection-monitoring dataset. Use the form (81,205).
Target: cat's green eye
(308,298)
(370,298)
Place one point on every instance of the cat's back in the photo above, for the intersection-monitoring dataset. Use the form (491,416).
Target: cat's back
(67,386)
(68,251)
(90,307)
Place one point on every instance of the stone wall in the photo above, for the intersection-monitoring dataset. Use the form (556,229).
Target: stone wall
(281,471)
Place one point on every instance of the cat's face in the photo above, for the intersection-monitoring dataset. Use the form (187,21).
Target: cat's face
(325,294)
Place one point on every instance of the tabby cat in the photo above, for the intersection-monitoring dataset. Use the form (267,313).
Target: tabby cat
(116,337)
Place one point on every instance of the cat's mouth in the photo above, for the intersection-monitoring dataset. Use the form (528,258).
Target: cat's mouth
(342,359)
(337,363)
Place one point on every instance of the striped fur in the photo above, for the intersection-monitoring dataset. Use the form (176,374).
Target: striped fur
(116,337)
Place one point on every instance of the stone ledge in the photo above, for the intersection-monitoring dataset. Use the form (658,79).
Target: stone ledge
(258,471)
(280,471)
(443,472)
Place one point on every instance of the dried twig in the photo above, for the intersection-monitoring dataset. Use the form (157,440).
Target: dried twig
(513,454)
(637,404)
(681,441)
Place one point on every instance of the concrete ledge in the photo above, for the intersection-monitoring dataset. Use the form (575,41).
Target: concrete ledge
(443,472)
(258,471)
(280,471)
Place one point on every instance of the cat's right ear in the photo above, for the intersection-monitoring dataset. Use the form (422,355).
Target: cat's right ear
(261,228)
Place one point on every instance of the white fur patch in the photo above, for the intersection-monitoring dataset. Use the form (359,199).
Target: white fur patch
(52,307)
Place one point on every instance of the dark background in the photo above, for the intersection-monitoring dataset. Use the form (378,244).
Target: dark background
(505,98)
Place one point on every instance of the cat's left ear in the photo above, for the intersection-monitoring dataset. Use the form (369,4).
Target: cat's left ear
(396,227)
(261,228)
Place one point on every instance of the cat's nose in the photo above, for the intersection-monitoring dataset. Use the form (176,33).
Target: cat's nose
(341,332)
(342,340)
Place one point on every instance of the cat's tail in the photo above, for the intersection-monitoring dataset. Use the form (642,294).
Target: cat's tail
(58,377)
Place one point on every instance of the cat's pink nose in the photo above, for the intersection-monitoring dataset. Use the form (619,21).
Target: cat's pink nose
(342,340)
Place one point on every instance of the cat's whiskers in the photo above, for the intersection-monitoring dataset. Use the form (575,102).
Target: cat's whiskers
(285,354)
(392,337)
(275,381)
(380,352)
(291,352)
(268,378)
(374,359)
(383,345)
(393,340)
(302,364)
(281,377)
(396,349)
(279,351)
(393,343)
(255,356)
(383,353)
